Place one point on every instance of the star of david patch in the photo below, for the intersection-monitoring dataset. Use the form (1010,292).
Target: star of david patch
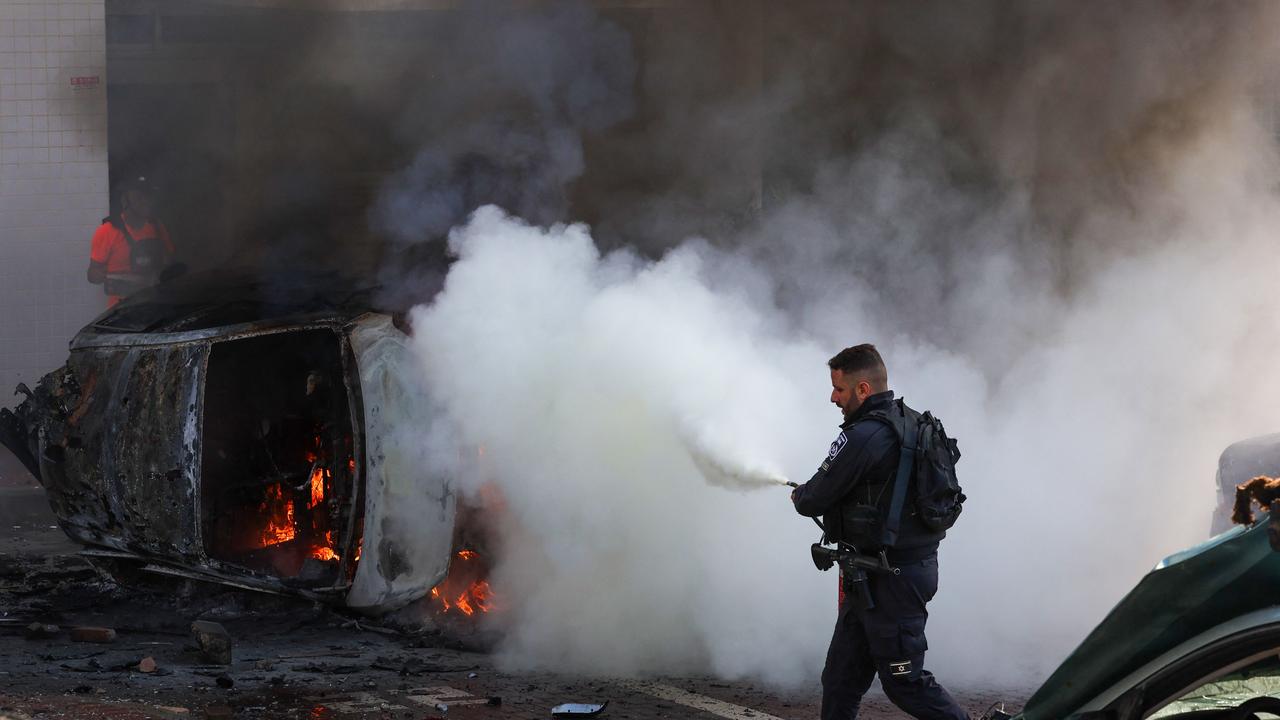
(900,668)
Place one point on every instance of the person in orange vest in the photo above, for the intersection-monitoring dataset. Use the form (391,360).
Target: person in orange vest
(130,249)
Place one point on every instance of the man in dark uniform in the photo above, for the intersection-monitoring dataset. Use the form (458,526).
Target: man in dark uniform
(860,469)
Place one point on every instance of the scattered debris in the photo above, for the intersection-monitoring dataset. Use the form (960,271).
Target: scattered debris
(63,658)
(356,624)
(576,709)
(417,666)
(494,701)
(37,631)
(83,689)
(92,666)
(321,654)
(225,681)
(213,640)
(93,634)
(147,665)
(218,712)
(329,669)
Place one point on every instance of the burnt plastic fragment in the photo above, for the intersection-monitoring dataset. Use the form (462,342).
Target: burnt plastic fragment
(578,709)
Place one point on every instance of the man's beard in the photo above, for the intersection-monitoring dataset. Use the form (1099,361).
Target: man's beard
(848,413)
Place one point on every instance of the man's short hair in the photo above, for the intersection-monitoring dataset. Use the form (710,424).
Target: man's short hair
(863,360)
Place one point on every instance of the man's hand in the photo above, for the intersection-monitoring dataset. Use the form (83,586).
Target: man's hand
(97,273)
(795,494)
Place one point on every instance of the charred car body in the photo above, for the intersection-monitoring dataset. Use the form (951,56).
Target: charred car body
(244,432)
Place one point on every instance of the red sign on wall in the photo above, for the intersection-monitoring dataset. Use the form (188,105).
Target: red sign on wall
(86,82)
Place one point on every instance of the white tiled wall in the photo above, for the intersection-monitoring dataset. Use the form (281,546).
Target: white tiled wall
(53,179)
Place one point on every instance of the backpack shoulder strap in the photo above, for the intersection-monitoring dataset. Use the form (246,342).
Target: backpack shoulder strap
(118,223)
(906,462)
(128,236)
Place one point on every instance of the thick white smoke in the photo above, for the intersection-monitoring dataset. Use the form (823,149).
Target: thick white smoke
(1080,289)
(1087,459)
(583,377)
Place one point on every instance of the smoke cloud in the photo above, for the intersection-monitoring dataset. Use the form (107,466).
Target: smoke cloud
(1056,223)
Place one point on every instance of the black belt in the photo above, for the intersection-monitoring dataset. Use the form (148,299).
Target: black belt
(904,556)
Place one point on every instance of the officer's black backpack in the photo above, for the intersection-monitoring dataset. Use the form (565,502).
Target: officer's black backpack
(927,463)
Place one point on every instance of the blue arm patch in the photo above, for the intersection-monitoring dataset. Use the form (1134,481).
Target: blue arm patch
(836,447)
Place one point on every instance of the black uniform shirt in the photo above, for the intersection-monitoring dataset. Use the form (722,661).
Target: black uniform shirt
(863,453)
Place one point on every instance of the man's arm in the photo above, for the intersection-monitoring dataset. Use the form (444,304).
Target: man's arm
(865,446)
(97,273)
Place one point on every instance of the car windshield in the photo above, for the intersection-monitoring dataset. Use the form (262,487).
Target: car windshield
(1258,685)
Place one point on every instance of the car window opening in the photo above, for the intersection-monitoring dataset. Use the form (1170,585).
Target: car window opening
(279,463)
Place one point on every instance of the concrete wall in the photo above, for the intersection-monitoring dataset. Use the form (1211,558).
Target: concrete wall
(53,178)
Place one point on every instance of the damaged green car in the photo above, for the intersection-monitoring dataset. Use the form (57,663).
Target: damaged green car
(1197,639)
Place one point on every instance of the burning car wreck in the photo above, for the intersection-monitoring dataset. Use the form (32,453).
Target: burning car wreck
(226,429)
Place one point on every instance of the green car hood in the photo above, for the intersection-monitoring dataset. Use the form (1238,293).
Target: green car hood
(1188,593)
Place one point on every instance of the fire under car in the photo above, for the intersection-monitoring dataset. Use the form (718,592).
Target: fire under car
(246,431)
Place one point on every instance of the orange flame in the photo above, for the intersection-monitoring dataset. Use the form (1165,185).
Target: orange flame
(326,552)
(464,589)
(317,486)
(279,512)
(476,597)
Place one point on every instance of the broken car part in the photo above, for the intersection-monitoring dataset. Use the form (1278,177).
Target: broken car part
(1200,630)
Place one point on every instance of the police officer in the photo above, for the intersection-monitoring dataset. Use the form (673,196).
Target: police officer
(856,480)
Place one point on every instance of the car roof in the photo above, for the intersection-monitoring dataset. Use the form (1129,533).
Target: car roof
(1187,594)
(218,298)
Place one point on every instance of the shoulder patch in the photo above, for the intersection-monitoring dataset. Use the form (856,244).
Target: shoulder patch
(837,446)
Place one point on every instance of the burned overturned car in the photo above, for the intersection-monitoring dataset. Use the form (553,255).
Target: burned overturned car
(229,429)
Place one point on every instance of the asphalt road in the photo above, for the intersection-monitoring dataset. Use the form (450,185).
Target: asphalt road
(292,659)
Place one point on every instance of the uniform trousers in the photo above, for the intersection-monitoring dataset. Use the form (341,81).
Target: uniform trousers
(887,640)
